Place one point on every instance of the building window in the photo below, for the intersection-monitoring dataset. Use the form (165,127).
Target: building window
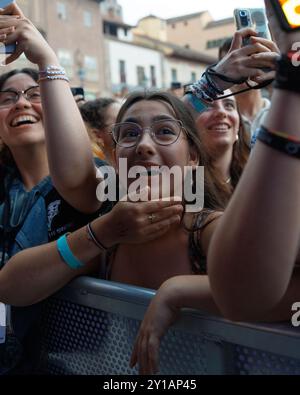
(141,76)
(66,60)
(61,9)
(110,29)
(173,26)
(153,76)
(91,68)
(174,75)
(193,77)
(122,69)
(87,19)
(125,32)
(215,43)
(187,46)
(186,23)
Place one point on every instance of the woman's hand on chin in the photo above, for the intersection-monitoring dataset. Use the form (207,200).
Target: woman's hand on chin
(132,222)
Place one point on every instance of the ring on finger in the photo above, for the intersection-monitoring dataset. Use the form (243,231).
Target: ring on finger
(152,218)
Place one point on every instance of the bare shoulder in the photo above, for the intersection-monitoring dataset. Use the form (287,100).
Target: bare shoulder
(207,231)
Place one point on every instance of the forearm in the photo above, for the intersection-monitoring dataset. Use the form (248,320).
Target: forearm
(190,292)
(36,273)
(254,248)
(68,145)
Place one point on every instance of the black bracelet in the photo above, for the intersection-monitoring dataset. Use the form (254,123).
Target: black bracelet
(212,72)
(94,238)
(288,75)
(279,143)
(212,84)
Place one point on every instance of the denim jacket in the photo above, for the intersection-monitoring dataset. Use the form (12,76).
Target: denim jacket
(28,207)
(28,221)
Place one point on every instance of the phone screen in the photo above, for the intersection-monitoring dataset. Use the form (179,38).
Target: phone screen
(291,11)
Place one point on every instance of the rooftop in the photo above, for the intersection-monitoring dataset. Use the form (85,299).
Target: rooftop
(221,22)
(185,17)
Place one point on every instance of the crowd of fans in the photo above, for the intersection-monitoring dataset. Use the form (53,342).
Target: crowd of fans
(242,246)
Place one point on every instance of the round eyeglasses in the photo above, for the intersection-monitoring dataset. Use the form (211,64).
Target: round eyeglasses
(10,97)
(164,132)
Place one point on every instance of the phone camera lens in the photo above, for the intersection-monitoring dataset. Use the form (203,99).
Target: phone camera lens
(243,14)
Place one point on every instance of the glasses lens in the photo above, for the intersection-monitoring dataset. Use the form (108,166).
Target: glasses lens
(7,99)
(33,95)
(166,132)
(126,134)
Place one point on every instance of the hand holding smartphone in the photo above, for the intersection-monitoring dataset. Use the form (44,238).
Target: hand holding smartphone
(7,49)
(254,18)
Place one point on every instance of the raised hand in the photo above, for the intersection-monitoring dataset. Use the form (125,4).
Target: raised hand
(16,28)
(240,62)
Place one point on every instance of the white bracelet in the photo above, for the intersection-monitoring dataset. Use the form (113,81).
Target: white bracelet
(54,77)
(53,70)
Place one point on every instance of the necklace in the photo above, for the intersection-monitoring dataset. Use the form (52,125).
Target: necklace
(228,181)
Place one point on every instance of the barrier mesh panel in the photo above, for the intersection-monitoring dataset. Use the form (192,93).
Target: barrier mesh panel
(249,361)
(82,340)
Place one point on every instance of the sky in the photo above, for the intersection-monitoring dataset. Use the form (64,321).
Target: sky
(133,10)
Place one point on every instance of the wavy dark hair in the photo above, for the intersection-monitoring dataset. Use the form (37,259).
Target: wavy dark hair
(6,157)
(240,156)
(215,196)
(241,152)
(94,112)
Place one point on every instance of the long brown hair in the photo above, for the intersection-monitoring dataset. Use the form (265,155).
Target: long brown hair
(241,152)
(215,197)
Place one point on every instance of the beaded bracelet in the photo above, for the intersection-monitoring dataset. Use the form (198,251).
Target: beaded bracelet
(53,70)
(203,90)
(54,77)
(288,145)
(52,73)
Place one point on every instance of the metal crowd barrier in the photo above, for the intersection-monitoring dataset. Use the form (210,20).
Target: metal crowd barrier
(89,327)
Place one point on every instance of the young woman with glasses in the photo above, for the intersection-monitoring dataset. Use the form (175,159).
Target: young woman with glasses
(32,212)
(143,243)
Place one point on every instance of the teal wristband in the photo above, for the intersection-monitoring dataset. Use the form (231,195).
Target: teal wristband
(197,104)
(66,254)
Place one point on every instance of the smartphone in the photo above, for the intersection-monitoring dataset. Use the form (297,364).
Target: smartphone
(288,13)
(7,49)
(254,18)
